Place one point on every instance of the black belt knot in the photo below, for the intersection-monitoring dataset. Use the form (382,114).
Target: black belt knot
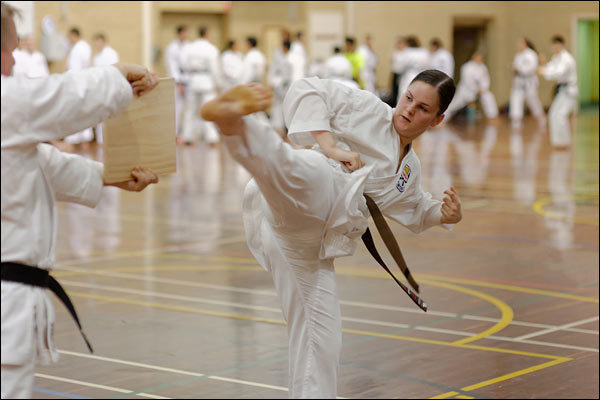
(34,276)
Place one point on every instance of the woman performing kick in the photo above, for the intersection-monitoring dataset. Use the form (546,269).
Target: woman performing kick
(306,207)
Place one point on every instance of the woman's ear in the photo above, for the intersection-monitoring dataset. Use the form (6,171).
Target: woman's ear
(437,120)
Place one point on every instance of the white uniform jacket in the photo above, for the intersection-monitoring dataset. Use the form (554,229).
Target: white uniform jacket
(563,69)
(361,122)
(173,61)
(200,60)
(474,77)
(31,65)
(80,56)
(107,56)
(443,60)
(254,66)
(232,67)
(35,175)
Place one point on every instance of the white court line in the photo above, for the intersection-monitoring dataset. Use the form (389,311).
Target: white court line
(278,311)
(342,302)
(556,328)
(562,346)
(177,371)
(95,385)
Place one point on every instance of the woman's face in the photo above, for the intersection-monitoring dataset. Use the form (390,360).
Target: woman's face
(417,110)
(521,44)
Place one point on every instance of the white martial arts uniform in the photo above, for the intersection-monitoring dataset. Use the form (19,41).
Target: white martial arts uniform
(80,58)
(338,68)
(108,56)
(200,60)
(34,176)
(525,87)
(442,60)
(283,70)
(562,69)
(367,73)
(300,59)
(255,64)
(232,67)
(31,65)
(474,80)
(301,210)
(175,71)
(413,61)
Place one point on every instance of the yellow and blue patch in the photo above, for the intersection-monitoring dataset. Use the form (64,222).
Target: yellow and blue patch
(401,185)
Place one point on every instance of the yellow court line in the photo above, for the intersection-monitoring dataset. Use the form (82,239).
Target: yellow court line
(512,288)
(505,320)
(538,207)
(281,322)
(64,273)
(479,385)
(353,271)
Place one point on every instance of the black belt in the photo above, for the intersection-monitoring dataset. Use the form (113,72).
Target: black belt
(390,242)
(559,86)
(34,276)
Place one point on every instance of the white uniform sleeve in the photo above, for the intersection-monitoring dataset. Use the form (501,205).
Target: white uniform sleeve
(556,68)
(74,178)
(419,214)
(38,110)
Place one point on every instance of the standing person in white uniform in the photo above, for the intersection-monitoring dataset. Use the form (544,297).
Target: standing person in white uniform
(28,61)
(305,207)
(280,78)
(371,60)
(441,59)
(562,69)
(299,56)
(175,71)
(232,65)
(474,85)
(34,176)
(525,84)
(415,59)
(200,61)
(339,69)
(255,62)
(105,55)
(80,57)
(397,65)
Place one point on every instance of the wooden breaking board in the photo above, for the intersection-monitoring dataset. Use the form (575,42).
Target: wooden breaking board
(143,135)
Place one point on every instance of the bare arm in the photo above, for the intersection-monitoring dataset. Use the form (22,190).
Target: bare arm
(350,159)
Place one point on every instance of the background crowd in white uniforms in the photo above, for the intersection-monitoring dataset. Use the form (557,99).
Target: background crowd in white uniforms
(201,71)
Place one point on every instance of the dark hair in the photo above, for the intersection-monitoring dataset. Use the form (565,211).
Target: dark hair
(442,82)
(75,31)
(558,39)
(299,34)
(230,44)
(100,36)
(412,41)
(337,49)
(287,44)
(202,31)
(252,40)
(530,44)
(436,42)
(350,40)
(181,28)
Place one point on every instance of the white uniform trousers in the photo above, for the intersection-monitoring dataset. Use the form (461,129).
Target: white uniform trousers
(299,189)
(194,126)
(179,103)
(524,89)
(558,115)
(17,380)
(464,97)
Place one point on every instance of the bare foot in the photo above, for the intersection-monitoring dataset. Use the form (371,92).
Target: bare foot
(236,102)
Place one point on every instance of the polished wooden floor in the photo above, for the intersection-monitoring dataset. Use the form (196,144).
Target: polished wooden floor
(176,307)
